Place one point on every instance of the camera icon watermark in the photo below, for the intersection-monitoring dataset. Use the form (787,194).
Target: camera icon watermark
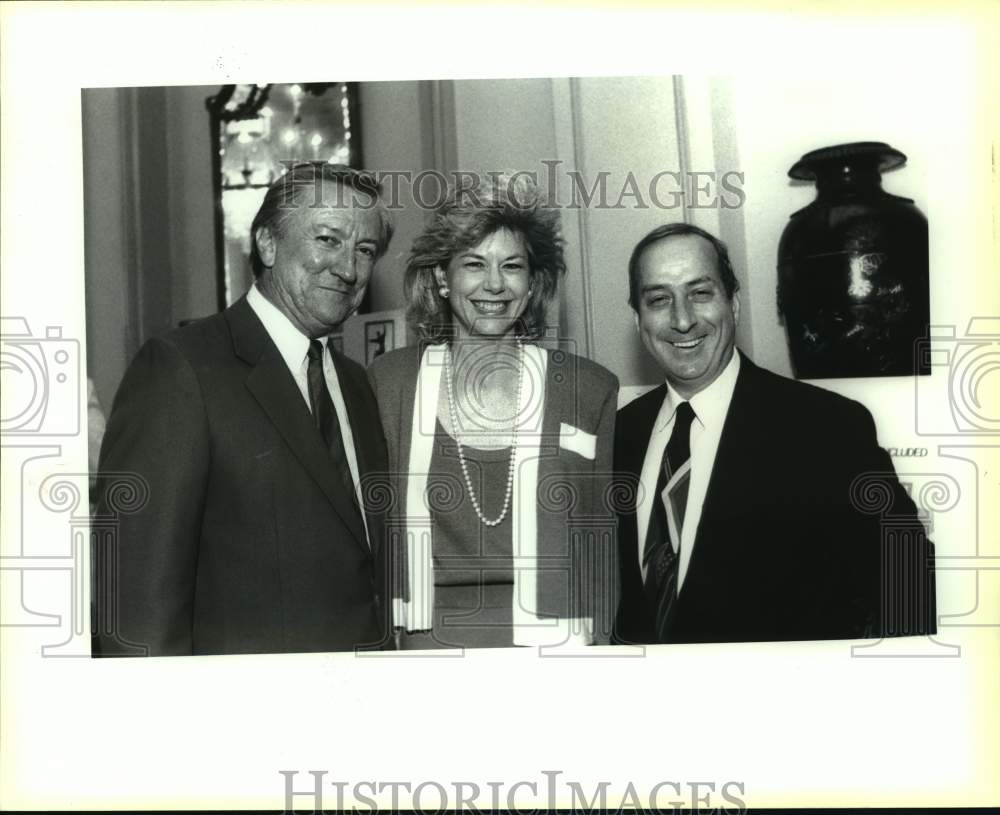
(961,397)
(39,372)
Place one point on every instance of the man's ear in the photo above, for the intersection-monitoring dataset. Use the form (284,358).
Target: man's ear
(635,316)
(736,308)
(265,245)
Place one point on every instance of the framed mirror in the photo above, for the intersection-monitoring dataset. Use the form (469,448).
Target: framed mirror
(256,131)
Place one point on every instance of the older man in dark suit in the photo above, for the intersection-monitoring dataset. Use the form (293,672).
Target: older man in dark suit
(764,508)
(251,438)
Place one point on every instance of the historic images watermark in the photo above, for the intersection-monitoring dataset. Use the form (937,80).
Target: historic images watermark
(47,368)
(315,790)
(42,373)
(41,369)
(565,188)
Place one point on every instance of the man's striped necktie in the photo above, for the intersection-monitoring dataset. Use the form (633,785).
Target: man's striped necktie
(660,558)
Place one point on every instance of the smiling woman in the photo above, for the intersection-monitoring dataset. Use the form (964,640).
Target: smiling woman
(488,284)
(498,444)
(507,219)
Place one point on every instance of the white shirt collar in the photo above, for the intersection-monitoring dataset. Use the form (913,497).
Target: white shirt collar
(292,343)
(711,404)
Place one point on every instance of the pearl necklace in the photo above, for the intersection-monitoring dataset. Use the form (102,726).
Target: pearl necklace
(453,413)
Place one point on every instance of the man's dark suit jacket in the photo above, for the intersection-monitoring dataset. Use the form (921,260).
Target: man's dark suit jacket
(805,532)
(244,543)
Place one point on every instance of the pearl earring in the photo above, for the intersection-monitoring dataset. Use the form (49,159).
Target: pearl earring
(444,291)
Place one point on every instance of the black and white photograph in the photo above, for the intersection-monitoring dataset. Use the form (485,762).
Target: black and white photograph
(515,473)
(363,395)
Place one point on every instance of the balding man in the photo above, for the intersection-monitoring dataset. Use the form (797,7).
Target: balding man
(755,515)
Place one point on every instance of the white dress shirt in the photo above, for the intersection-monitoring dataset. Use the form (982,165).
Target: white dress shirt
(293,346)
(710,407)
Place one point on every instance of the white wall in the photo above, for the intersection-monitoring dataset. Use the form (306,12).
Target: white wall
(393,140)
(503,125)
(616,126)
(191,201)
(770,123)
(149,220)
(107,250)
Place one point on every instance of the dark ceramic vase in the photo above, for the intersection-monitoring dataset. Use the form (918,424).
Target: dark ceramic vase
(852,269)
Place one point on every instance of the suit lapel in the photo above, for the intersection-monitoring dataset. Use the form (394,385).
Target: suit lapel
(634,428)
(638,431)
(732,472)
(273,387)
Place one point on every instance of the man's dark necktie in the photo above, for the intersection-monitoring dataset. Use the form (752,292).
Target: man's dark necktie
(659,558)
(326,419)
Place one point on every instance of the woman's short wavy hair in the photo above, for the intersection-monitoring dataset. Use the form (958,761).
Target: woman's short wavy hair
(469,214)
